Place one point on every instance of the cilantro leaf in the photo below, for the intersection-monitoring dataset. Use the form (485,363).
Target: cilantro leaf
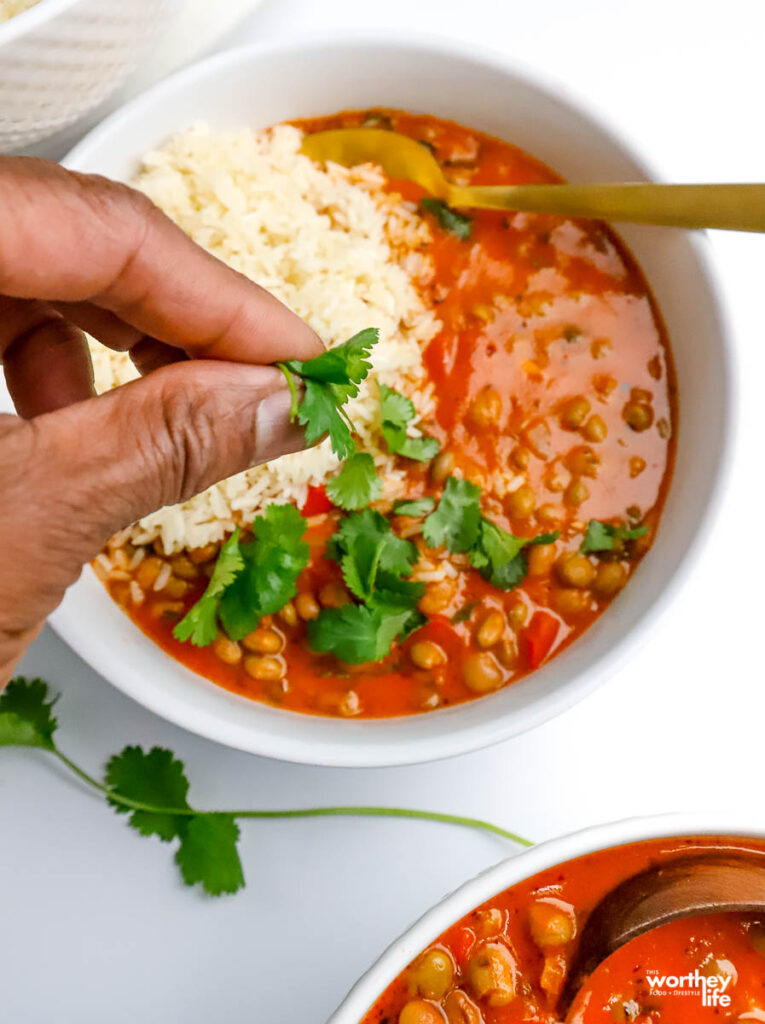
(157,778)
(330,380)
(375,564)
(456,522)
(320,414)
(450,220)
(26,718)
(396,412)
(200,625)
(365,545)
(604,536)
(273,560)
(208,855)
(357,633)
(500,555)
(357,484)
(416,507)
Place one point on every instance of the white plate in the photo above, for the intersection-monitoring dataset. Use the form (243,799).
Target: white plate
(265,84)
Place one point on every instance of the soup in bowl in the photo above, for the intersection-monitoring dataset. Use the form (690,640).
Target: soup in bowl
(499,950)
(516,438)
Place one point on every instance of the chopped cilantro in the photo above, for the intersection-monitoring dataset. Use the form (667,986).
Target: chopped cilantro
(456,522)
(396,412)
(250,579)
(500,556)
(357,484)
(273,560)
(358,633)
(604,536)
(330,379)
(450,220)
(375,564)
(200,625)
(414,507)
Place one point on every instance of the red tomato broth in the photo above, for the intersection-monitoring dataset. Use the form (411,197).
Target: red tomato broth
(527,300)
(577,886)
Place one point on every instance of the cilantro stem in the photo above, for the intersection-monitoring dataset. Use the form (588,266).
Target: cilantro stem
(79,772)
(293,390)
(306,812)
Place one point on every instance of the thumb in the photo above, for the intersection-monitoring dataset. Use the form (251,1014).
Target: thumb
(107,461)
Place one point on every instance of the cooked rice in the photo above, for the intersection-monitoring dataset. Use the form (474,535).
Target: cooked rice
(337,249)
(9,8)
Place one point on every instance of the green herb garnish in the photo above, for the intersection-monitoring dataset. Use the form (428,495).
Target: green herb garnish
(357,484)
(456,523)
(250,579)
(500,556)
(604,536)
(200,625)
(396,413)
(413,507)
(375,564)
(151,788)
(330,380)
(450,220)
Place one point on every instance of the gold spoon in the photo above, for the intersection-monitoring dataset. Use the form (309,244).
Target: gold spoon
(688,885)
(732,207)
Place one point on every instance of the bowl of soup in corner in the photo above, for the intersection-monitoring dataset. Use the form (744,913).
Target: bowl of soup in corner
(498,949)
(547,412)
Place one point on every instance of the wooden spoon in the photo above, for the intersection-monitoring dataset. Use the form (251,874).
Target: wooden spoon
(689,885)
(735,207)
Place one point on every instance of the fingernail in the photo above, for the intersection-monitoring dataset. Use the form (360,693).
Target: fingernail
(274,434)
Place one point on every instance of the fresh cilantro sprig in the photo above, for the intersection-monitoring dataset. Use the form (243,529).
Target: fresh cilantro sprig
(605,536)
(458,525)
(357,484)
(396,413)
(330,380)
(450,220)
(250,579)
(375,564)
(151,788)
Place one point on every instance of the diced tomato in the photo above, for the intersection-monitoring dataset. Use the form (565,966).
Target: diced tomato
(317,502)
(540,636)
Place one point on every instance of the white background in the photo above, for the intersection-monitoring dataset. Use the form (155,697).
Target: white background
(94,925)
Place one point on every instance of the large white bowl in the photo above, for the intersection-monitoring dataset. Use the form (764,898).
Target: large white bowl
(265,84)
(517,869)
(61,58)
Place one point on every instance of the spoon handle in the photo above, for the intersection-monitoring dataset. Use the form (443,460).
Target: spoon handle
(730,207)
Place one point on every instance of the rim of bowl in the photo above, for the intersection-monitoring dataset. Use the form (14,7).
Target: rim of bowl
(581,683)
(32,18)
(518,868)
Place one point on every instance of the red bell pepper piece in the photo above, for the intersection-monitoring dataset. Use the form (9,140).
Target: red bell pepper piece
(540,636)
(317,502)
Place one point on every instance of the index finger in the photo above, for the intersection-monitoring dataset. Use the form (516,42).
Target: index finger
(82,238)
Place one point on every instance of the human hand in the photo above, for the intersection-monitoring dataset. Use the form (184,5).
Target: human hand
(83,253)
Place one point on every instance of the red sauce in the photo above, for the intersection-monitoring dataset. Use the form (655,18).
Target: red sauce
(712,945)
(536,311)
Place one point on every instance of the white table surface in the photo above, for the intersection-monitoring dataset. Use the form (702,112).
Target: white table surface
(94,925)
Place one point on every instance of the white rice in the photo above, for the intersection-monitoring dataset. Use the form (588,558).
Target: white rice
(9,8)
(331,244)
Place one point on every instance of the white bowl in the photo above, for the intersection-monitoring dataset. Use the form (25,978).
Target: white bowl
(270,83)
(61,58)
(517,869)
